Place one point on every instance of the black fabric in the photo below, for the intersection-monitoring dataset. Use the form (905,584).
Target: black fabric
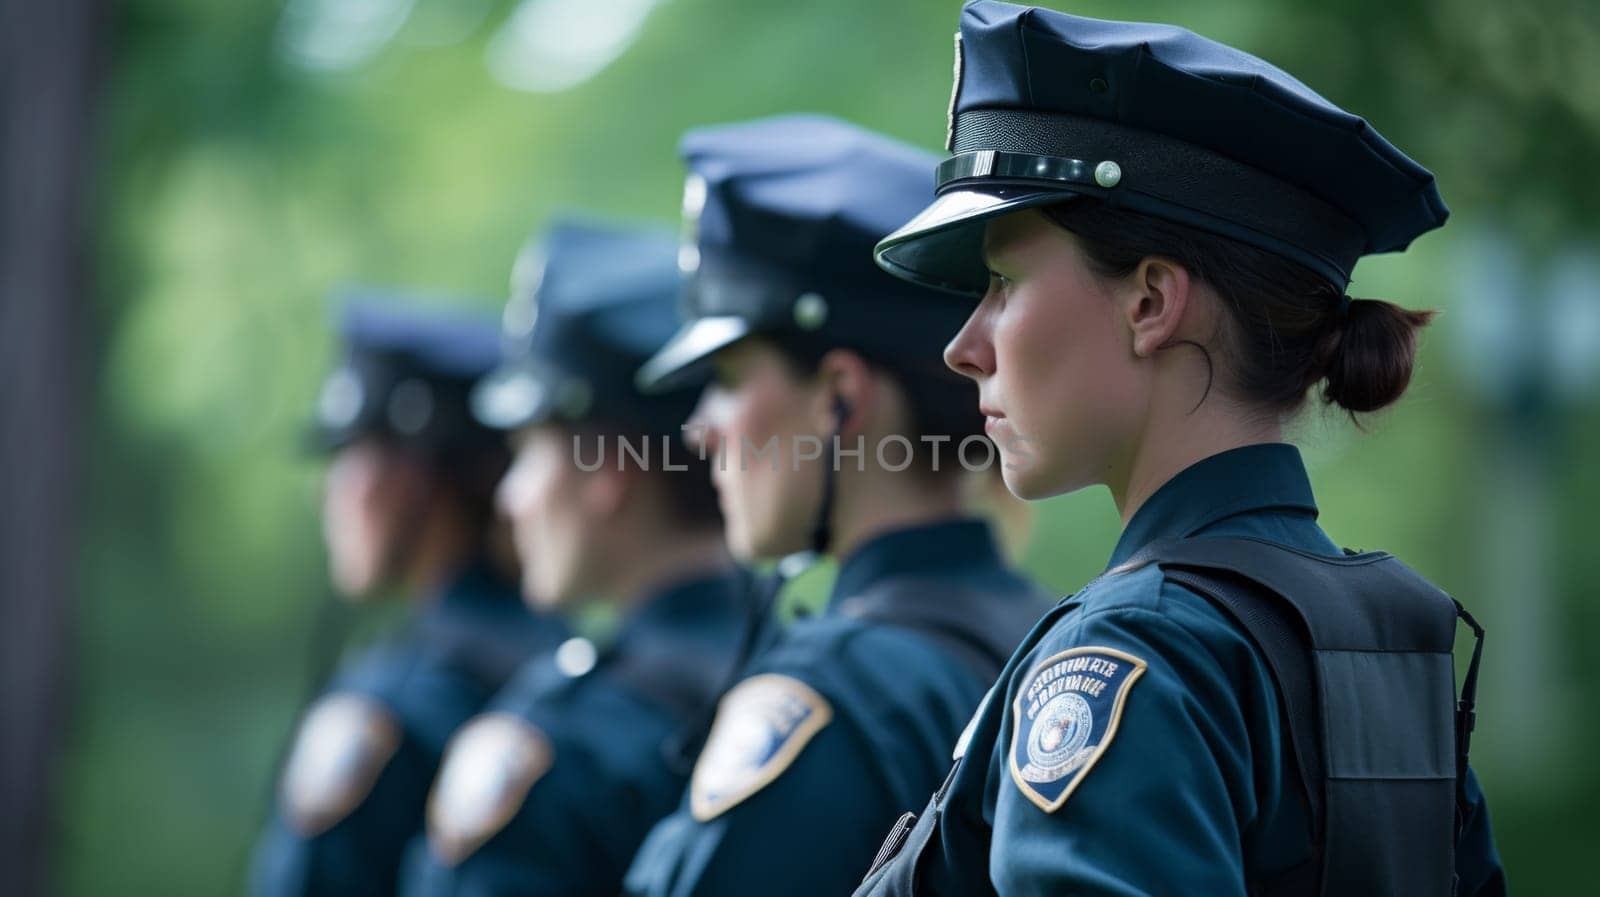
(1282,641)
(909,837)
(761,593)
(951,615)
(1466,718)
(1174,180)
(465,645)
(1360,647)
(682,682)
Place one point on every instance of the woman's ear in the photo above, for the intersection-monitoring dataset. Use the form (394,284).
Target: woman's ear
(1154,303)
(846,397)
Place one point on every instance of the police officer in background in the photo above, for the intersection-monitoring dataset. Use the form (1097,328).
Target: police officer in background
(408,513)
(823,422)
(550,791)
(1159,231)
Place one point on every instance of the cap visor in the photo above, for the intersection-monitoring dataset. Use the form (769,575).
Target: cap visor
(686,353)
(513,397)
(943,246)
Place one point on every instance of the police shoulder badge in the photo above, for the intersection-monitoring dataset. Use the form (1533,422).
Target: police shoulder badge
(761,727)
(344,742)
(1064,718)
(488,768)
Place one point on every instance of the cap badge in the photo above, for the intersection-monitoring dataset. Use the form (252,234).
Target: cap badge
(810,311)
(1108,174)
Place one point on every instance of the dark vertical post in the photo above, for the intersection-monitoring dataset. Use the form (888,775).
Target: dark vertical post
(48,76)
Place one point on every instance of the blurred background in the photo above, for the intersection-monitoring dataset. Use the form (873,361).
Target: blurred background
(186,181)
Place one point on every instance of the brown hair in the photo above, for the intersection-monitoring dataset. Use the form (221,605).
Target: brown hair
(1289,328)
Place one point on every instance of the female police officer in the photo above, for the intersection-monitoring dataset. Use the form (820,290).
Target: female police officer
(1161,229)
(844,718)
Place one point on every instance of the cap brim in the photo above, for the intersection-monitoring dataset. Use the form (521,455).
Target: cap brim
(943,246)
(317,438)
(687,352)
(513,397)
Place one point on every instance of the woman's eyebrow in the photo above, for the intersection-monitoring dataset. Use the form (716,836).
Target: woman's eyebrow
(996,248)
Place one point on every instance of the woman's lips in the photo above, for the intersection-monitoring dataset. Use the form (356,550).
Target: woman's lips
(991,418)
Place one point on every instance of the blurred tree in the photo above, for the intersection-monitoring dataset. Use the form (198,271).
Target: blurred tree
(51,62)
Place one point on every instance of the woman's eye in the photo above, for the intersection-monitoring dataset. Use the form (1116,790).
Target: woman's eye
(998,283)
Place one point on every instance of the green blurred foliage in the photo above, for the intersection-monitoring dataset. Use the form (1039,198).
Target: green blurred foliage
(238,190)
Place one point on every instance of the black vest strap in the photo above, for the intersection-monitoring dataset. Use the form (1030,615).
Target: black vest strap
(760,596)
(1361,649)
(979,629)
(491,661)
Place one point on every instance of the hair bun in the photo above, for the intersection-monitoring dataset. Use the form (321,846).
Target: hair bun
(1369,355)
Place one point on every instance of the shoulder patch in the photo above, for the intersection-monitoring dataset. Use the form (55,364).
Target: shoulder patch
(761,726)
(1064,718)
(488,768)
(343,744)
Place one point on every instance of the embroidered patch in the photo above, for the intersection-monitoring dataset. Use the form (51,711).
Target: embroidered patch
(488,768)
(343,744)
(1065,718)
(761,726)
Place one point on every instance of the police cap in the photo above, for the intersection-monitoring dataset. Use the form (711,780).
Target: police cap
(1161,121)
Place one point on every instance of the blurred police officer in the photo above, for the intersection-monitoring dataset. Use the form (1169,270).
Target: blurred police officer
(408,511)
(832,427)
(1159,231)
(551,790)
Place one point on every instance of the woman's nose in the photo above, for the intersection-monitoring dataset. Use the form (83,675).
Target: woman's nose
(971,352)
(700,432)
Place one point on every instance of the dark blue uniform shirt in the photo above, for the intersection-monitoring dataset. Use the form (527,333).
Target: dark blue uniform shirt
(1168,773)
(550,791)
(353,790)
(842,724)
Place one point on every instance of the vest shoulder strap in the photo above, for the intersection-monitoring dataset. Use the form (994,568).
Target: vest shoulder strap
(980,629)
(488,658)
(681,682)
(1360,647)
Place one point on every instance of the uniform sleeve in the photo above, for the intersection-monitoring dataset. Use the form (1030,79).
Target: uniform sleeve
(1125,760)
(1477,858)
(813,830)
(360,854)
(575,828)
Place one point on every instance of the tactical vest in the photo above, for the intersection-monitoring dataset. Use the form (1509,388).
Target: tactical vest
(1361,649)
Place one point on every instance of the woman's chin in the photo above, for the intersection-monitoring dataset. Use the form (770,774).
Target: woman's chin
(1030,483)
(1021,483)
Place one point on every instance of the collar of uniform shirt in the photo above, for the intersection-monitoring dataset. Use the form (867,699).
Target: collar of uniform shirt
(476,583)
(1250,478)
(921,550)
